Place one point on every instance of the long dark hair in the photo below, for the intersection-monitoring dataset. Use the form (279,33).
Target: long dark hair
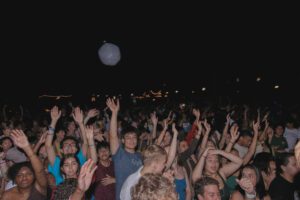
(259,187)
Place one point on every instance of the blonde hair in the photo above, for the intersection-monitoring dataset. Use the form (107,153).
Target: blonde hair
(153,153)
(153,186)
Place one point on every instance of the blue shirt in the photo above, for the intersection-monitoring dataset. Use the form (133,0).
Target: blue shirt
(125,164)
(55,169)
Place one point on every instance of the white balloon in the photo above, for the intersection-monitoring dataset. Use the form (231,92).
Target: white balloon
(109,54)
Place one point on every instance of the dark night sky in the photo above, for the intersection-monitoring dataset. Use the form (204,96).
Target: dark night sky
(59,46)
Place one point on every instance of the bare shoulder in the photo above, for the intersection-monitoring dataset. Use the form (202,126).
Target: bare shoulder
(10,194)
(236,195)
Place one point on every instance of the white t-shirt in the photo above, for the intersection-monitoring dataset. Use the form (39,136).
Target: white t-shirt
(129,183)
(291,136)
(241,149)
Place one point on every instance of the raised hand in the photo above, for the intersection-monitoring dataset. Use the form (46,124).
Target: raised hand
(114,107)
(255,127)
(174,130)
(19,138)
(78,115)
(297,153)
(43,138)
(207,126)
(154,118)
(199,125)
(246,185)
(108,180)
(99,137)
(86,175)
(92,113)
(55,113)
(165,124)
(234,133)
(228,118)
(196,113)
(89,131)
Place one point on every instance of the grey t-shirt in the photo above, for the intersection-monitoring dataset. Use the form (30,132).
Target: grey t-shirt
(125,164)
(13,154)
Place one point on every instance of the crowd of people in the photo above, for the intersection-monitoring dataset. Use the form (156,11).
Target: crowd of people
(161,152)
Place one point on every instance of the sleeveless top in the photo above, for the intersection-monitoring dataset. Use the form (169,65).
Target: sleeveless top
(180,188)
(36,195)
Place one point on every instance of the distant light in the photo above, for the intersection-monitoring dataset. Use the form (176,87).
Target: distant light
(276,86)
(258,79)
(237,79)
(193,91)
(176,91)
(166,95)
(167,92)
(114,97)
(131,94)
(58,97)
(153,99)
(203,89)
(98,95)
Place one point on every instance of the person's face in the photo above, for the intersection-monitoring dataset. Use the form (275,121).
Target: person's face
(212,164)
(183,146)
(103,154)
(71,126)
(6,144)
(42,152)
(60,135)
(160,165)
(70,168)
(24,178)
(130,140)
(250,174)
(279,130)
(167,138)
(291,168)
(272,168)
(211,192)
(7,131)
(69,147)
(246,141)
(210,144)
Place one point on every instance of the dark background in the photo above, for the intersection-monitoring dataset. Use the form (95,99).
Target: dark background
(52,49)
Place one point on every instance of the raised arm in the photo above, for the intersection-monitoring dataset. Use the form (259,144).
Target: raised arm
(55,115)
(113,133)
(234,136)
(173,148)
(78,117)
(205,138)
(225,132)
(40,142)
(162,133)
(84,180)
(91,113)
(89,131)
(154,121)
(229,168)
(252,147)
(198,170)
(297,153)
(21,141)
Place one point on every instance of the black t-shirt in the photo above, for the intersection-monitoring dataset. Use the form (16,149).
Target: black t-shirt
(281,189)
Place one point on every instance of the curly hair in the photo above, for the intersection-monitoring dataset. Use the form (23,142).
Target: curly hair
(153,186)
